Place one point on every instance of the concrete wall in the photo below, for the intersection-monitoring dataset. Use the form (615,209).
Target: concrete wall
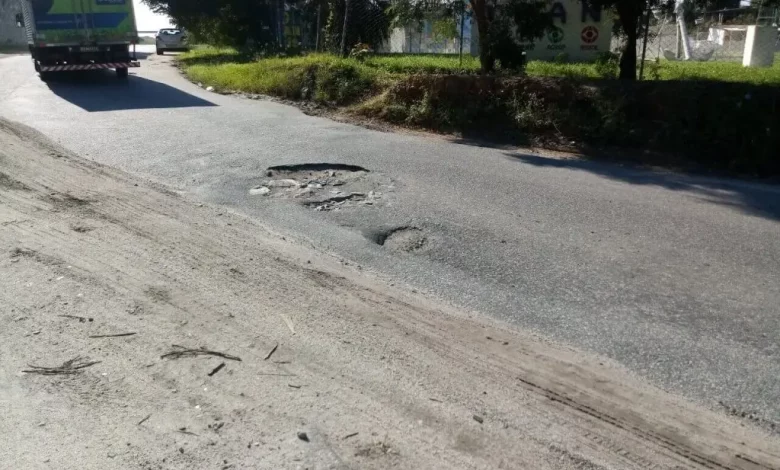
(9,33)
(581,33)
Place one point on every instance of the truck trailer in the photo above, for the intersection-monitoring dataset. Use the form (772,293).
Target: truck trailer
(71,35)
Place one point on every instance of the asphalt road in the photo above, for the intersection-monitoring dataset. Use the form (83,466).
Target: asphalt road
(675,277)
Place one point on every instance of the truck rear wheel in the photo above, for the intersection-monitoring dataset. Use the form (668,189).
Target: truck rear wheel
(122,73)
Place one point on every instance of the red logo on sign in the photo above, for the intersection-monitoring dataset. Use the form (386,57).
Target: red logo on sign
(589,34)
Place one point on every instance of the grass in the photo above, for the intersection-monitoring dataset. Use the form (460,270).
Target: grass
(268,75)
(408,64)
(321,77)
(715,71)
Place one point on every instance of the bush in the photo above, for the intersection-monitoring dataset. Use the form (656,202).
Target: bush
(607,65)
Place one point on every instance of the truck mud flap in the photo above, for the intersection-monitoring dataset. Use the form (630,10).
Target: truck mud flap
(67,68)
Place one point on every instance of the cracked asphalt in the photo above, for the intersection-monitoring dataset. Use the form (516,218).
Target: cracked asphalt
(674,277)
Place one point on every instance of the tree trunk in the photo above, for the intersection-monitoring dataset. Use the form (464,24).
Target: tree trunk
(317,41)
(628,59)
(486,60)
(345,30)
(629,12)
(280,25)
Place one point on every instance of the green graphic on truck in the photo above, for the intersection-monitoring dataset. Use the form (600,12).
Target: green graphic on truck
(80,21)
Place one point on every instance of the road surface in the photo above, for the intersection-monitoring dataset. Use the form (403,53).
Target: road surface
(675,277)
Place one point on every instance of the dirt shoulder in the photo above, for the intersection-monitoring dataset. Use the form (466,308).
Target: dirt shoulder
(336,370)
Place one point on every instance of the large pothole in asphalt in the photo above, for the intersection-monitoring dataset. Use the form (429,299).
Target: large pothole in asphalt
(323,186)
(407,238)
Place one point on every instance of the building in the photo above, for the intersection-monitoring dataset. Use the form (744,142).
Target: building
(10,33)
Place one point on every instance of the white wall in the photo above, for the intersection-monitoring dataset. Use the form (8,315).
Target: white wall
(10,34)
(582,35)
(585,33)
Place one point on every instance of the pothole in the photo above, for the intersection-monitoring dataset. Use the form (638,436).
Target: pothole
(311,168)
(323,186)
(407,238)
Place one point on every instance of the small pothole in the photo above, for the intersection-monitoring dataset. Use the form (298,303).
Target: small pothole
(407,238)
(323,186)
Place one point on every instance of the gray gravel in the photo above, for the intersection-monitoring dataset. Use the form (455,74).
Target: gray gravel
(675,277)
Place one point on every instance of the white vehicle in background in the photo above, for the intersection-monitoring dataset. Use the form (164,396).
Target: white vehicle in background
(171,39)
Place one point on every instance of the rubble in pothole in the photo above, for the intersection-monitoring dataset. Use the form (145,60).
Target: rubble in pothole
(323,187)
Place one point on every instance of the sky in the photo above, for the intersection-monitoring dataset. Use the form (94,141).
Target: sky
(148,21)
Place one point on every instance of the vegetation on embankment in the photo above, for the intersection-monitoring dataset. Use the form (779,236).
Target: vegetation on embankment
(719,125)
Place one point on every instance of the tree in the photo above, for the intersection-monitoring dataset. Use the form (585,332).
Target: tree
(241,23)
(502,25)
(367,23)
(259,25)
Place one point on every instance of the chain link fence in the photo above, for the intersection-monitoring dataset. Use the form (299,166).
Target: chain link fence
(423,39)
(712,36)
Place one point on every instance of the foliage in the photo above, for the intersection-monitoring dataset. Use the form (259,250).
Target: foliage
(360,52)
(368,23)
(390,65)
(502,25)
(259,26)
(320,77)
(405,13)
(445,28)
(606,65)
(243,24)
(515,22)
(428,64)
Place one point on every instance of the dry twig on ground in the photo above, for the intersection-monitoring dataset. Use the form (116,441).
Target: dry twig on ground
(118,335)
(180,352)
(73,366)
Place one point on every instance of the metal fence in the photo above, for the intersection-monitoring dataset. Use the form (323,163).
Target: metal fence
(719,35)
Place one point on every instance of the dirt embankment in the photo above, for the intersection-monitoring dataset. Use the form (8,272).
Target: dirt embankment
(143,330)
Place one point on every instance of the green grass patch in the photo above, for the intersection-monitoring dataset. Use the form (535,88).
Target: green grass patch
(732,72)
(537,68)
(714,71)
(398,65)
(411,64)
(318,77)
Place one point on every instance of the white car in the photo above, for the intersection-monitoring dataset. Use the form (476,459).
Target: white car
(169,39)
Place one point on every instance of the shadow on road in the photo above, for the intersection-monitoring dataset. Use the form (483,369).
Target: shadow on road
(757,199)
(96,91)
(142,55)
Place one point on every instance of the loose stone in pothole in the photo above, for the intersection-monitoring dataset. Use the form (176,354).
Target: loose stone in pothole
(324,186)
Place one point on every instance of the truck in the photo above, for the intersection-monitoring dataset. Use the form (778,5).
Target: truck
(71,35)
